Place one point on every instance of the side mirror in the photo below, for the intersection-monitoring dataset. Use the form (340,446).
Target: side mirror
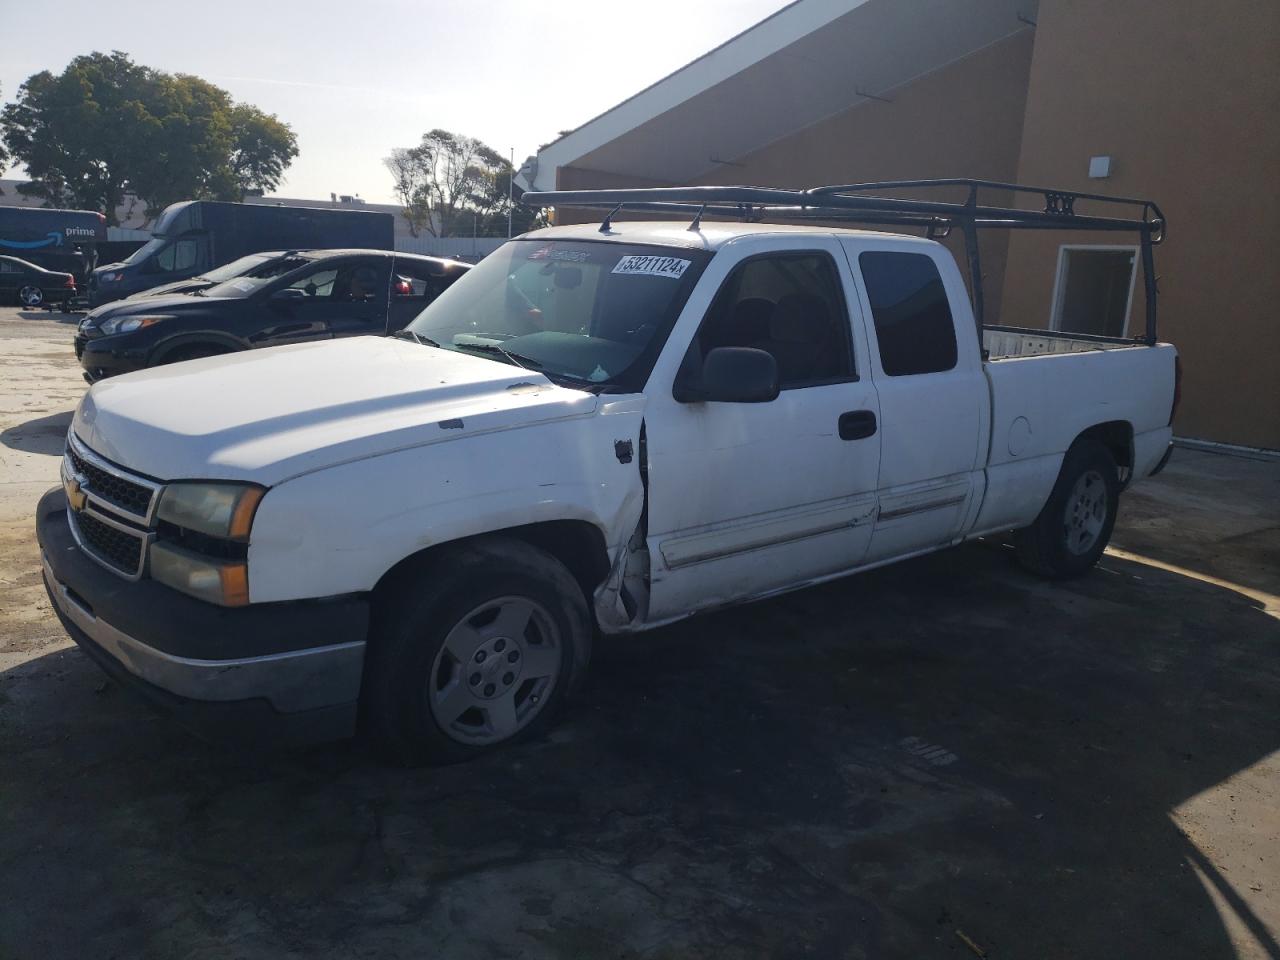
(287,294)
(730,375)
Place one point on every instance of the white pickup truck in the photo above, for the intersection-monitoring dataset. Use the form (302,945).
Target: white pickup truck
(596,429)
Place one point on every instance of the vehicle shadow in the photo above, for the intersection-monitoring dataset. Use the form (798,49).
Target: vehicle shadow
(47,435)
(858,769)
(56,316)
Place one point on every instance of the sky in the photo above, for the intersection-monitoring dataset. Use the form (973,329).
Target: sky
(355,80)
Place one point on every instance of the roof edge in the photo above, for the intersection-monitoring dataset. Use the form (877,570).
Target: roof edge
(772,34)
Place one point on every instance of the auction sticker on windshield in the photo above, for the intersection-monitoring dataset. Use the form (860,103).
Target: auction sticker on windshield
(650,266)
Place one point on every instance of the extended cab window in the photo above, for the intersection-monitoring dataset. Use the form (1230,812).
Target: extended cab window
(789,305)
(911,313)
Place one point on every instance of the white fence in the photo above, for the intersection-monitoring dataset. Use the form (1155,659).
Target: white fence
(471,249)
(465,248)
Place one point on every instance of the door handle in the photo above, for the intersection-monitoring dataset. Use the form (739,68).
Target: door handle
(857,424)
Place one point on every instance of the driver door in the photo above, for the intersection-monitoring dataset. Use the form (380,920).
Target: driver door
(321,303)
(750,498)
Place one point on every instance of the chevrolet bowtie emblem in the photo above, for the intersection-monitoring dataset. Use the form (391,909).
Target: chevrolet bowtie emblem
(75,495)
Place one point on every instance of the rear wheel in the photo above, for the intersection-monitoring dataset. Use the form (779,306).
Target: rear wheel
(473,651)
(1074,527)
(31,296)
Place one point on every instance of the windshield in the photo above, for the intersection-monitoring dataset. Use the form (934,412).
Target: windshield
(236,267)
(255,278)
(146,250)
(590,311)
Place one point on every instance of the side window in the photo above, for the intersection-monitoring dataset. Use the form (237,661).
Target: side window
(317,285)
(791,306)
(358,282)
(185,254)
(417,282)
(911,313)
(179,255)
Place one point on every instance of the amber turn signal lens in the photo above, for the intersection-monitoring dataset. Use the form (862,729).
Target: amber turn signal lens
(242,515)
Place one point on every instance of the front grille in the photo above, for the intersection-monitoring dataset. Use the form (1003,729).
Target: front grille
(114,547)
(133,497)
(80,342)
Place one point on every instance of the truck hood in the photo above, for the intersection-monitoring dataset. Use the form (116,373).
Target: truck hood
(268,415)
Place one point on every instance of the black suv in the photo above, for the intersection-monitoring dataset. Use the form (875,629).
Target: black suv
(311,295)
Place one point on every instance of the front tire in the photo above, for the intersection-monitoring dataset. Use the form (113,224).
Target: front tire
(472,650)
(191,353)
(31,297)
(1074,527)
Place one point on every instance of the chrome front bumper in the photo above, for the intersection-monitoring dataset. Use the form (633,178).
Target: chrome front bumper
(292,682)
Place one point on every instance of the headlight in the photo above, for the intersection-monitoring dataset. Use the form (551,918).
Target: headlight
(129,324)
(206,558)
(223,510)
(224,582)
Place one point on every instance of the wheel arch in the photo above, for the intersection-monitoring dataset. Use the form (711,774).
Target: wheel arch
(166,348)
(1117,437)
(579,544)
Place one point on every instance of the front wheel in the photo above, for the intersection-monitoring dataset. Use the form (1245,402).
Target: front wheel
(194,352)
(473,651)
(1074,527)
(31,297)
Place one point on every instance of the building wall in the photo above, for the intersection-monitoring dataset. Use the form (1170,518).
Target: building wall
(963,120)
(584,178)
(1185,98)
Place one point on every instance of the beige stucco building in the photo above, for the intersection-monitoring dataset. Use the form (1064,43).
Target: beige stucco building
(1177,101)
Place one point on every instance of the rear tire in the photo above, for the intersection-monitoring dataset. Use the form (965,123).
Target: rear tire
(1074,527)
(31,297)
(472,650)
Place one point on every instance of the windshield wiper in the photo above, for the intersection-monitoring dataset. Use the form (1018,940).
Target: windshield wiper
(417,338)
(516,358)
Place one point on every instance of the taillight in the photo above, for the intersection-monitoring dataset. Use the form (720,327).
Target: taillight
(69,282)
(1177,387)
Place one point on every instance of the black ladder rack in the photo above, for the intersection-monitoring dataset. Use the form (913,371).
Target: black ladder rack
(858,203)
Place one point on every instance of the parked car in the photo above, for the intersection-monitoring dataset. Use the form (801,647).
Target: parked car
(228,271)
(597,428)
(194,236)
(306,295)
(30,286)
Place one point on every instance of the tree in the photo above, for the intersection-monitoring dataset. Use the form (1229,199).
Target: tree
(106,126)
(77,133)
(262,147)
(4,160)
(450,184)
(407,173)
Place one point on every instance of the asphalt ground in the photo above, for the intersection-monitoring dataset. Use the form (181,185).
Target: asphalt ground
(937,758)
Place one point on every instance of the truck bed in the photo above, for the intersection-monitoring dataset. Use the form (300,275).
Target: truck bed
(1002,342)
